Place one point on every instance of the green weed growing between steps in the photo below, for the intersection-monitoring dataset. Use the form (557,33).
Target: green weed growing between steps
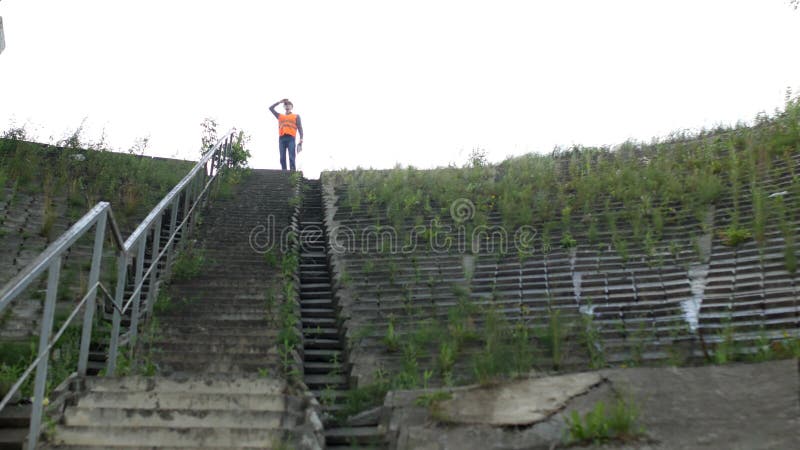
(188,263)
(289,337)
(82,173)
(599,425)
(429,351)
(433,401)
(567,195)
(15,357)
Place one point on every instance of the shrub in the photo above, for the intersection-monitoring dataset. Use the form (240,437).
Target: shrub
(567,241)
(734,235)
(188,263)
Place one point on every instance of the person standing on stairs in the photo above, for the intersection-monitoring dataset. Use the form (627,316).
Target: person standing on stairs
(288,126)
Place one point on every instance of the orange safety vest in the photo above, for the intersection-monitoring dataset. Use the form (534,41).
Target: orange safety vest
(287,124)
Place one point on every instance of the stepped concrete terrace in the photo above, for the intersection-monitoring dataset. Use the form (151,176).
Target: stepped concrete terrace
(36,210)
(220,381)
(672,302)
(24,210)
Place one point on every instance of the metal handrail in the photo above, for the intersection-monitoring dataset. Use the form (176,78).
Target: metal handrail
(23,279)
(192,190)
(162,205)
(166,246)
(90,293)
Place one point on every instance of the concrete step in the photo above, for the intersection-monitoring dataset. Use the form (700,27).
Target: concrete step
(323,355)
(213,323)
(317,312)
(160,447)
(199,331)
(209,302)
(308,271)
(354,436)
(206,297)
(251,347)
(15,416)
(314,278)
(321,343)
(204,384)
(175,418)
(326,380)
(311,241)
(13,438)
(319,332)
(195,401)
(216,315)
(315,295)
(338,395)
(324,368)
(312,287)
(243,367)
(158,437)
(174,338)
(323,322)
(215,362)
(316,302)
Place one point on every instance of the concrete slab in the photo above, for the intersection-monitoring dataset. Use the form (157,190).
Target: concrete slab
(517,403)
(738,406)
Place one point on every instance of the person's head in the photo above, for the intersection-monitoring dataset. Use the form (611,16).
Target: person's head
(288,106)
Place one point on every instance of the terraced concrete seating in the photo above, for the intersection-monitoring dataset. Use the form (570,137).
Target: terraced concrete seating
(673,293)
(749,289)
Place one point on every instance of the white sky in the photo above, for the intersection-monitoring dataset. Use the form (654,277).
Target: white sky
(380,82)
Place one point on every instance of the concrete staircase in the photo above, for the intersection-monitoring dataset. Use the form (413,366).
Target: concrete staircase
(195,411)
(325,362)
(218,321)
(219,382)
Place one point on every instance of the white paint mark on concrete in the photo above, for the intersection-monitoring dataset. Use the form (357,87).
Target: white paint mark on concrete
(698,277)
(778,194)
(2,37)
(576,286)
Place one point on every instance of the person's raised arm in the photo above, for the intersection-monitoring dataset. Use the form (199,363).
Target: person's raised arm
(272,108)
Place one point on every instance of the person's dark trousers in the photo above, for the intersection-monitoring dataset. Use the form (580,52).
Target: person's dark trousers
(286,142)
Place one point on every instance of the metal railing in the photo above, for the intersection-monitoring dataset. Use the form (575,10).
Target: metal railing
(180,204)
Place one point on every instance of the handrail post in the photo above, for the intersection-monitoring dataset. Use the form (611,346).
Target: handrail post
(173,219)
(44,339)
(214,162)
(203,180)
(228,151)
(187,205)
(221,159)
(198,183)
(223,154)
(152,293)
(191,190)
(138,298)
(94,276)
(122,270)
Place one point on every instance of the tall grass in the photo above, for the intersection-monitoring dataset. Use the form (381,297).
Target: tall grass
(84,177)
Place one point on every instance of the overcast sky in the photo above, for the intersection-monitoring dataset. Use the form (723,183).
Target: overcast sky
(378,82)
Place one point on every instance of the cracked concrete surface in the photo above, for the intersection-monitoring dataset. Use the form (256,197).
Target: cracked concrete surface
(518,403)
(737,406)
